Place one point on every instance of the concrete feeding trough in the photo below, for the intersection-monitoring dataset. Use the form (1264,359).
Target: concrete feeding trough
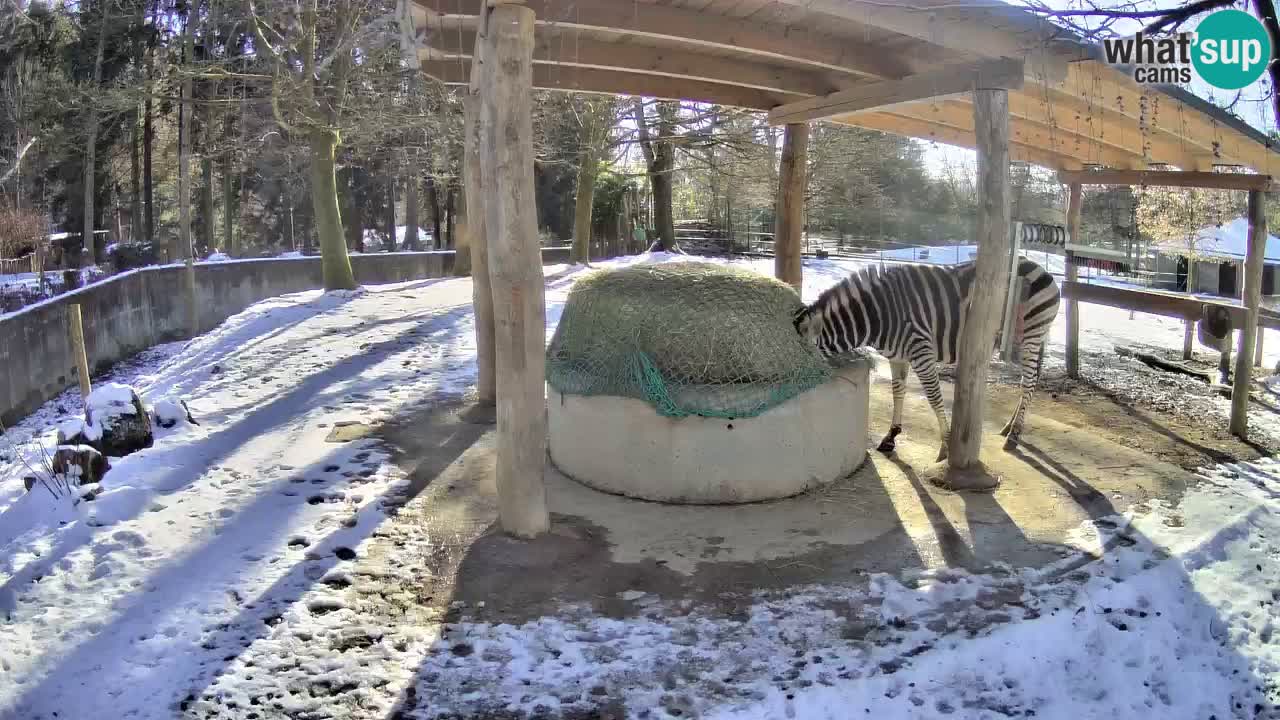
(622,445)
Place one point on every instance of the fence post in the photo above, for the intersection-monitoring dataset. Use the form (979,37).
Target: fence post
(1073,310)
(75,330)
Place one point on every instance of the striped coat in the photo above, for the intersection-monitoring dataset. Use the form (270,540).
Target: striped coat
(913,315)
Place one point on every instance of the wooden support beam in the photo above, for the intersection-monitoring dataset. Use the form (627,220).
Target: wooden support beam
(789,223)
(648,20)
(1257,348)
(1243,381)
(564,49)
(912,127)
(1007,73)
(982,317)
(515,267)
(1002,31)
(1170,178)
(613,82)
(1075,201)
(473,196)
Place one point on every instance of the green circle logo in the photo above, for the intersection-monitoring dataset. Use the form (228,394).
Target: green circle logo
(1231,49)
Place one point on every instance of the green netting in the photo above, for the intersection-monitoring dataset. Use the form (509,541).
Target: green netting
(689,338)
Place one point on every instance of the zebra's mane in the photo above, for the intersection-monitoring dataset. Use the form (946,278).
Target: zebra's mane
(861,282)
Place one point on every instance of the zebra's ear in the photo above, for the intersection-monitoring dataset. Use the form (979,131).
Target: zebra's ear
(798,318)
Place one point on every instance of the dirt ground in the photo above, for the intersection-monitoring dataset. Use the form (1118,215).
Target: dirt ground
(1087,457)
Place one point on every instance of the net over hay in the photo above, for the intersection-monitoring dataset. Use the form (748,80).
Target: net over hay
(689,338)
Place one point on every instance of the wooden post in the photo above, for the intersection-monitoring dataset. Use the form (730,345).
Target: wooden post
(193,310)
(1257,348)
(1074,202)
(75,330)
(1009,323)
(477,242)
(982,317)
(790,212)
(515,267)
(1188,337)
(1243,380)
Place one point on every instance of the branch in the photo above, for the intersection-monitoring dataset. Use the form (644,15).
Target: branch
(17,163)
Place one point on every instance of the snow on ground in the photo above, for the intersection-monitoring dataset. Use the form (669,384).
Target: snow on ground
(211,561)
(1177,622)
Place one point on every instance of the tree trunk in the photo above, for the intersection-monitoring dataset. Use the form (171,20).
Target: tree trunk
(659,157)
(391,206)
(91,149)
(518,284)
(228,186)
(148,142)
(433,204)
(135,179)
(583,199)
(324,203)
(355,222)
(411,212)
(666,229)
(588,167)
(207,208)
(464,229)
(449,219)
(183,240)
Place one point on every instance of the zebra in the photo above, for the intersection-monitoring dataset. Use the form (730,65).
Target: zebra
(912,315)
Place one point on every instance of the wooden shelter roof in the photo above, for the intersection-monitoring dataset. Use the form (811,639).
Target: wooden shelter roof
(899,68)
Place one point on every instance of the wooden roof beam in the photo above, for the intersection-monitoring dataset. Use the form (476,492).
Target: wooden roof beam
(613,82)
(687,26)
(1099,86)
(565,50)
(1005,73)
(1101,126)
(922,130)
(1171,178)
(1032,131)
(959,116)
(1003,31)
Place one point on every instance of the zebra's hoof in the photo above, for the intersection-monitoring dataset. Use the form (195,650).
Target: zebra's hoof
(942,455)
(887,446)
(1011,443)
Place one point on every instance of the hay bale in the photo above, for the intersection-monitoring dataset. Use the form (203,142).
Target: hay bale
(690,338)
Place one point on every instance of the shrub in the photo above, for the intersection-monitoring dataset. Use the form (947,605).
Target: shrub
(21,231)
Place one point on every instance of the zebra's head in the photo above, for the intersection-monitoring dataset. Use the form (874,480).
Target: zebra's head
(837,323)
(808,323)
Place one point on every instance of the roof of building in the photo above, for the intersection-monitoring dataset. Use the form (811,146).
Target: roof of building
(1068,109)
(1227,241)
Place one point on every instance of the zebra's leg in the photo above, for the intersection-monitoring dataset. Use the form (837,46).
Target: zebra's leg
(898,370)
(926,367)
(1032,361)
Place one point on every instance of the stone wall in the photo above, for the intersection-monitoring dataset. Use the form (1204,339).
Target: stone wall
(136,310)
